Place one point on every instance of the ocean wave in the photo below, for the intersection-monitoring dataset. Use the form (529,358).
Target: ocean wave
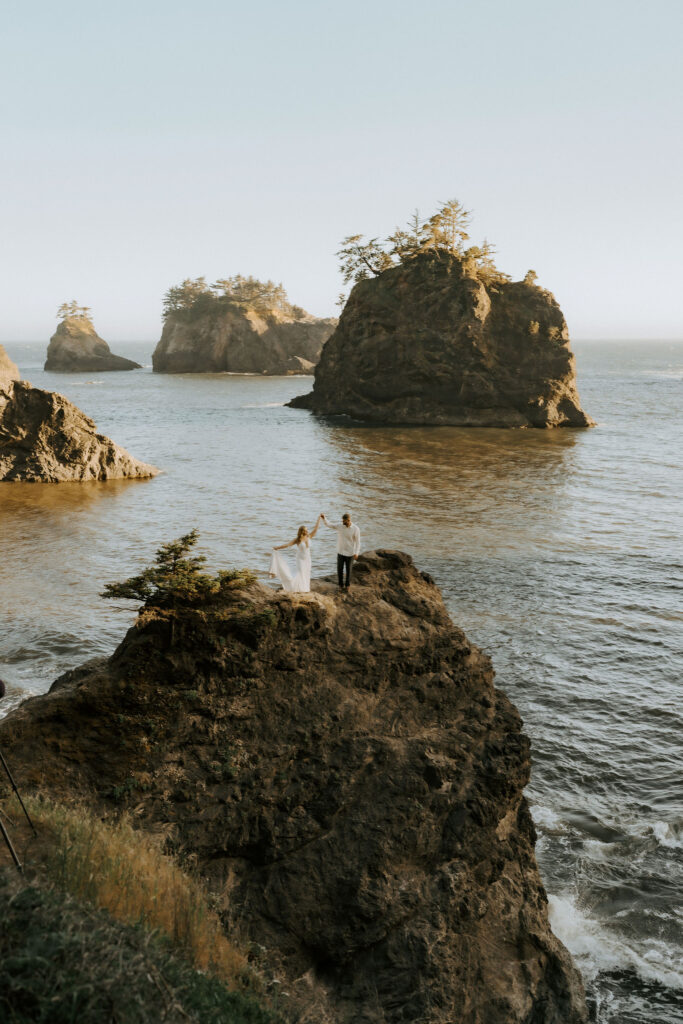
(598,950)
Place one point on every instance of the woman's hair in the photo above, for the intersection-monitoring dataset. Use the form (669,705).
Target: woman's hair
(301,532)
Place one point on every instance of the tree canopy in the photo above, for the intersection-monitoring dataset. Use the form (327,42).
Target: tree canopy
(72,311)
(194,296)
(444,232)
(177,575)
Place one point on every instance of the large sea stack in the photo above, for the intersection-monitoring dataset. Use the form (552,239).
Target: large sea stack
(44,438)
(348,782)
(429,342)
(224,337)
(77,347)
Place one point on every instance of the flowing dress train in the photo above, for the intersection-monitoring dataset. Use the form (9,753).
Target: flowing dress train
(300,581)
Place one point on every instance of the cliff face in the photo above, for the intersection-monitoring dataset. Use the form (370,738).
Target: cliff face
(9,370)
(345,776)
(427,343)
(45,438)
(238,341)
(76,346)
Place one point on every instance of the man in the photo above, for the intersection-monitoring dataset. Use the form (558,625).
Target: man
(348,548)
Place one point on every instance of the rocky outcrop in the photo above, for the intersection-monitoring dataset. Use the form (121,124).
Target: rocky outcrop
(236,340)
(76,346)
(9,370)
(344,776)
(45,438)
(427,342)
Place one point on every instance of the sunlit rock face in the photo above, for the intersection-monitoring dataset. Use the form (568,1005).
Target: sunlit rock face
(347,780)
(427,342)
(8,368)
(76,346)
(236,340)
(44,438)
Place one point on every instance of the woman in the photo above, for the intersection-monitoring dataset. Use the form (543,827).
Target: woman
(300,582)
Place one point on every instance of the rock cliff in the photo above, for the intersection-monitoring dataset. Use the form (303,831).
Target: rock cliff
(45,438)
(75,346)
(346,779)
(9,370)
(427,342)
(235,340)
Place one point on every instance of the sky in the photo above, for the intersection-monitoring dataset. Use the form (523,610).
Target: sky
(145,142)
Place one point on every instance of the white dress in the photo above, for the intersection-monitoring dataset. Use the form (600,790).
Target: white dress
(300,582)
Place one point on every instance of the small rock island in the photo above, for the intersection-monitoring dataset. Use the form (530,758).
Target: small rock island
(434,333)
(77,347)
(346,779)
(44,438)
(237,325)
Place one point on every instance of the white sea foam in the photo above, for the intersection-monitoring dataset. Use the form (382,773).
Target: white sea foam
(264,405)
(668,834)
(597,949)
(546,819)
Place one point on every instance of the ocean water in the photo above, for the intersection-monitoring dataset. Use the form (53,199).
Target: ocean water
(559,553)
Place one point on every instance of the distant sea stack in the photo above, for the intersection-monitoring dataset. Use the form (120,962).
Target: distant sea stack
(344,777)
(46,439)
(239,325)
(9,370)
(434,333)
(76,346)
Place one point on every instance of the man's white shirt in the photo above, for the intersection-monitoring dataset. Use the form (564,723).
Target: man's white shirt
(348,539)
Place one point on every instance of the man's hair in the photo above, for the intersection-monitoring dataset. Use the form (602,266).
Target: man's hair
(345,517)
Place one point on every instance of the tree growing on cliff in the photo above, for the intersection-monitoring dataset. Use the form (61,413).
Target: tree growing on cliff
(194,297)
(176,576)
(72,311)
(445,231)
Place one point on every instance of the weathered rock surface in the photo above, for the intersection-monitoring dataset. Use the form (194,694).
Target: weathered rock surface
(236,340)
(426,342)
(8,368)
(76,346)
(345,776)
(45,438)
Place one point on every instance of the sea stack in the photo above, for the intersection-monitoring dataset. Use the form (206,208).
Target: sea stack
(248,326)
(77,347)
(346,780)
(433,341)
(44,438)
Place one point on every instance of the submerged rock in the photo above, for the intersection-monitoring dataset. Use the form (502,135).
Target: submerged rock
(346,779)
(228,338)
(8,368)
(45,438)
(427,342)
(76,346)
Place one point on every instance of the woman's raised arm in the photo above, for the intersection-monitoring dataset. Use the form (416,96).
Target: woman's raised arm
(313,532)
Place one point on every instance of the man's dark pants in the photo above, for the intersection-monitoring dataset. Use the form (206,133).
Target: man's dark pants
(344,562)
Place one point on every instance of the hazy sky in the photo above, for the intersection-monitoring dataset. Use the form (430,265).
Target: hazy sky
(144,142)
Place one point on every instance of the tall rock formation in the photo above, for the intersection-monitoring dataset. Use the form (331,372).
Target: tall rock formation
(44,438)
(428,342)
(76,346)
(229,338)
(346,779)
(9,370)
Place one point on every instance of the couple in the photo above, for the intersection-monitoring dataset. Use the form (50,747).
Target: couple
(348,548)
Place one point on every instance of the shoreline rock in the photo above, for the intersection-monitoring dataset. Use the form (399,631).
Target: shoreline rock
(44,438)
(347,780)
(427,342)
(9,370)
(77,347)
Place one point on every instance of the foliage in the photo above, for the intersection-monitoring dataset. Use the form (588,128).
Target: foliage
(194,297)
(444,232)
(72,311)
(121,870)
(177,576)
(62,962)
